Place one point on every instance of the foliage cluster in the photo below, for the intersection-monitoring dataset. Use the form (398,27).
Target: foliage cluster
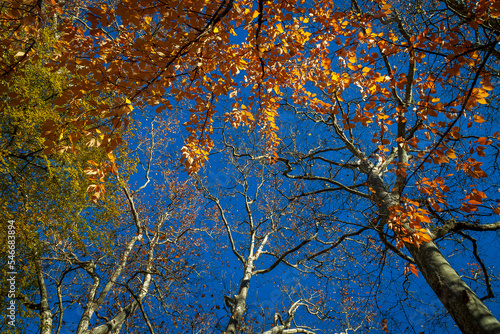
(353,142)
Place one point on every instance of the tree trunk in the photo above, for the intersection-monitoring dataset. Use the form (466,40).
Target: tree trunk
(45,313)
(468,311)
(239,307)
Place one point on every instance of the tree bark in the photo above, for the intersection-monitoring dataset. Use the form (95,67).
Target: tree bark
(239,307)
(464,306)
(467,310)
(45,313)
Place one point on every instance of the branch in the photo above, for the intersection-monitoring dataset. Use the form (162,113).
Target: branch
(460,9)
(284,327)
(92,304)
(402,255)
(149,162)
(281,330)
(61,308)
(26,302)
(282,256)
(117,321)
(333,244)
(451,225)
(462,111)
(319,178)
(144,314)
(481,263)
(223,217)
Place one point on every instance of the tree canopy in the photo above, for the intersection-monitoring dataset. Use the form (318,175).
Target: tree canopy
(168,163)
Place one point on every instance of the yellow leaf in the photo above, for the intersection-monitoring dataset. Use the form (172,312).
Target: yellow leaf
(424,236)
(387,8)
(280,28)
(451,154)
(129,104)
(216,30)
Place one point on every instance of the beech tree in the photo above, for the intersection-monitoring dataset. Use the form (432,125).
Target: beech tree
(427,131)
(122,259)
(266,232)
(400,99)
(84,260)
(42,194)
(261,234)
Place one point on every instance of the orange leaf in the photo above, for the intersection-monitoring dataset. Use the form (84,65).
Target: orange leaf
(478,119)
(383,323)
(414,270)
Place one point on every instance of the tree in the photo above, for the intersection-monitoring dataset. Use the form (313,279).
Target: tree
(65,243)
(20,21)
(425,128)
(122,259)
(265,232)
(42,194)
(395,95)
(260,228)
